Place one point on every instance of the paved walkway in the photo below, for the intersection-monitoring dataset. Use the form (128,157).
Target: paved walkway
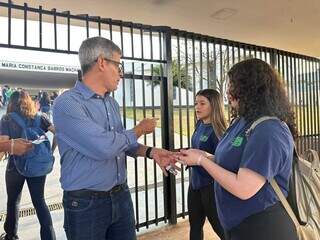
(176,232)
(29,230)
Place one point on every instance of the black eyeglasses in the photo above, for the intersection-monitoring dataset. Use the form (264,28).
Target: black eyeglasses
(117,64)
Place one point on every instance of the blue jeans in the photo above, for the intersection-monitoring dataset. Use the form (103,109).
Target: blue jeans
(14,185)
(109,217)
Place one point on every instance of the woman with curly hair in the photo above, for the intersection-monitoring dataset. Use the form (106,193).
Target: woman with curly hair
(21,103)
(243,167)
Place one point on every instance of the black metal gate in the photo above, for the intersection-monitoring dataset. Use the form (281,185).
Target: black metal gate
(164,68)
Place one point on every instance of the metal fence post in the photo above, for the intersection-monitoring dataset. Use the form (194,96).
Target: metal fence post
(169,186)
(274,58)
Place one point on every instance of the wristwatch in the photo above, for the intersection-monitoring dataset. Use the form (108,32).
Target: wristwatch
(148,152)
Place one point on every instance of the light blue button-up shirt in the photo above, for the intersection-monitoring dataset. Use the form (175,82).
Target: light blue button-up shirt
(92,141)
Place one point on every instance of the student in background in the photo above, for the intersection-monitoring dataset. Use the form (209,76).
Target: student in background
(210,127)
(21,103)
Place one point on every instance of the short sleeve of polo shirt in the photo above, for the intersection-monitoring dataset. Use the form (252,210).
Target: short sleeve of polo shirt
(267,149)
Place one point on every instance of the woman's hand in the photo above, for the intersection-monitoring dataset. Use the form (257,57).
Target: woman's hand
(191,157)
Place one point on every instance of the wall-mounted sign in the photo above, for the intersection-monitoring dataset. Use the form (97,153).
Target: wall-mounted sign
(38,67)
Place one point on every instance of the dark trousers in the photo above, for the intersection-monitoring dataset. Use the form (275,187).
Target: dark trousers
(89,216)
(201,204)
(271,224)
(14,185)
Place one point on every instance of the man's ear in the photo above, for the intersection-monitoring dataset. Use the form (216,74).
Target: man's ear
(100,65)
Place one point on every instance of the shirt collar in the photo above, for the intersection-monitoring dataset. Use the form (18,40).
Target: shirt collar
(84,90)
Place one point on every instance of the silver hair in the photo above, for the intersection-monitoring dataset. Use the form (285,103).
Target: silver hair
(94,47)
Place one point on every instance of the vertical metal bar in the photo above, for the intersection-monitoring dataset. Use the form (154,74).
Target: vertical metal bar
(188,121)
(300,82)
(200,56)
(194,73)
(110,31)
(167,128)
(87,25)
(313,103)
(25,10)
(307,102)
(279,64)
(68,29)
(208,65)
(225,69)
(99,26)
(153,134)
(295,84)
(288,77)
(180,117)
(221,64)
(9,22)
(40,27)
(136,180)
(280,61)
(245,51)
(239,52)
(317,105)
(309,108)
(273,59)
(180,99)
(283,70)
(233,55)
(163,68)
(227,60)
(179,86)
(265,55)
(55,27)
(187,81)
(145,138)
(214,66)
(124,108)
(304,102)
(136,183)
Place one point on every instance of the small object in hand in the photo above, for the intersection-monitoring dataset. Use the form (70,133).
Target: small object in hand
(171,170)
(39,140)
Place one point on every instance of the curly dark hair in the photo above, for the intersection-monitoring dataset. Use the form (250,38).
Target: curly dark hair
(260,92)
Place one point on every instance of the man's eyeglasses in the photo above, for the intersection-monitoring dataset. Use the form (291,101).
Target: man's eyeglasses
(117,64)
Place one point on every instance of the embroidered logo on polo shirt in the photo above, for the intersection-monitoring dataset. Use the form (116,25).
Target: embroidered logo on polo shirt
(237,141)
(203,138)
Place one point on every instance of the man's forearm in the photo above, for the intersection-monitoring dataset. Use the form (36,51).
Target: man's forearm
(141,151)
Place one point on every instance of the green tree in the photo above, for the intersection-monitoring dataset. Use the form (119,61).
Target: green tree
(178,74)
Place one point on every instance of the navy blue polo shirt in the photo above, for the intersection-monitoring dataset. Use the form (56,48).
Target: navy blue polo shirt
(203,138)
(268,151)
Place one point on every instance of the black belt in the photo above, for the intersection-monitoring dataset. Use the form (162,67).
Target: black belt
(86,193)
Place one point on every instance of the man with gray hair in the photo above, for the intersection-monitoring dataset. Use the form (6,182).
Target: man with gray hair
(93,145)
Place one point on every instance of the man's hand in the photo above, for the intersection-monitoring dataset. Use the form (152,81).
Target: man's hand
(164,159)
(20,146)
(146,126)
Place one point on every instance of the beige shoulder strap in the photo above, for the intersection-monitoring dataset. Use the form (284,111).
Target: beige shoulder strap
(285,203)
